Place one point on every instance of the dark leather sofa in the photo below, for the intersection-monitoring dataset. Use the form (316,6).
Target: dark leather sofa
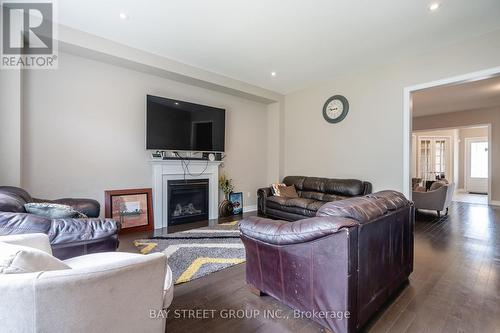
(313,193)
(69,237)
(345,262)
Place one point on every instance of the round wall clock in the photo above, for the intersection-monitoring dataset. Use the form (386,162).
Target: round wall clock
(335,109)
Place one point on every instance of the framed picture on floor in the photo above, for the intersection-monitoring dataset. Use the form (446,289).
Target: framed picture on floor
(236,199)
(133,208)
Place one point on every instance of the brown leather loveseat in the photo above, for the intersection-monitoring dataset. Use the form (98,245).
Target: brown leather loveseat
(313,193)
(339,267)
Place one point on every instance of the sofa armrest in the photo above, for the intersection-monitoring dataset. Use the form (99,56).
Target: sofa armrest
(117,292)
(23,223)
(283,233)
(36,241)
(81,230)
(367,188)
(89,207)
(262,194)
(432,200)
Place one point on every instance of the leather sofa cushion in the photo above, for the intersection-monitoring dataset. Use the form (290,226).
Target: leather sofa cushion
(363,209)
(16,192)
(11,203)
(341,187)
(391,199)
(302,203)
(321,196)
(301,231)
(298,202)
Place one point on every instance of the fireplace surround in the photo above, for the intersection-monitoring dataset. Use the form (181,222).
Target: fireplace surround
(165,170)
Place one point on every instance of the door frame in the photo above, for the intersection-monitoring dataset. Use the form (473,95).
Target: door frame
(407,120)
(467,155)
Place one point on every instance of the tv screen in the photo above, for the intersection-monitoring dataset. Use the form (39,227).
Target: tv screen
(178,125)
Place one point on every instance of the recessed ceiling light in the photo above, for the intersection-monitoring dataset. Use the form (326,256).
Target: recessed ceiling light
(123,16)
(176,103)
(273,73)
(434,6)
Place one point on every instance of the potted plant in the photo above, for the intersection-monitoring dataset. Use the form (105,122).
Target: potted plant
(226,185)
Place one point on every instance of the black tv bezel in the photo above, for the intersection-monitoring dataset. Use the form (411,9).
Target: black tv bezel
(188,103)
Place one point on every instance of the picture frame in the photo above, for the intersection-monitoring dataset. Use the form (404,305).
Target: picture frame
(133,208)
(236,199)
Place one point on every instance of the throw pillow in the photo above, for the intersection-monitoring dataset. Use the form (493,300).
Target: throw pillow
(15,259)
(52,210)
(275,187)
(287,192)
(436,185)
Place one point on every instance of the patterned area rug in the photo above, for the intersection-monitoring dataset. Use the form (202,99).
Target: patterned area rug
(198,252)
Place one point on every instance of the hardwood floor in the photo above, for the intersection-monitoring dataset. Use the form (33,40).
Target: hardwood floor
(455,286)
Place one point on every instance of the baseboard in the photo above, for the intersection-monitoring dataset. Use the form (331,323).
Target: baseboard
(460,190)
(251,208)
(495,203)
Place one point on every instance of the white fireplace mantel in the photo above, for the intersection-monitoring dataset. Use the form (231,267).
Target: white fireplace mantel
(165,170)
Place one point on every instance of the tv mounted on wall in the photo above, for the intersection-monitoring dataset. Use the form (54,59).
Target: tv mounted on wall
(182,126)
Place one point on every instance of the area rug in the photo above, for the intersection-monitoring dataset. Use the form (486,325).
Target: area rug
(198,252)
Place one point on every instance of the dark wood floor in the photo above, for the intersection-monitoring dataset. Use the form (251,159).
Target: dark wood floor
(455,286)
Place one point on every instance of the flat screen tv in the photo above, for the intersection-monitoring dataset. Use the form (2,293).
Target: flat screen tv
(183,126)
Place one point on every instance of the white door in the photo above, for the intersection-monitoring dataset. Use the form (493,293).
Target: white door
(434,158)
(476,160)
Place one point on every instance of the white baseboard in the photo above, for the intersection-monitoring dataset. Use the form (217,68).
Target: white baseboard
(495,203)
(251,208)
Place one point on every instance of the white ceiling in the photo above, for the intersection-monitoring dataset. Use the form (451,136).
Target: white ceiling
(458,97)
(304,41)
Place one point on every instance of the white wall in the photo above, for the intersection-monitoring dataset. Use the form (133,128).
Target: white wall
(368,143)
(84,130)
(10,127)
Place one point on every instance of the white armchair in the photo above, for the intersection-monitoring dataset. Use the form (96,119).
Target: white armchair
(435,199)
(101,292)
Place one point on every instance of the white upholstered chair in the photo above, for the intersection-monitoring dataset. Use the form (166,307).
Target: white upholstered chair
(102,292)
(438,198)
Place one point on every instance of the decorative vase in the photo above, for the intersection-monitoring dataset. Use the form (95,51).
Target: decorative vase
(225,208)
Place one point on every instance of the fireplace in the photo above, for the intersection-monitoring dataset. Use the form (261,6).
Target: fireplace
(187,200)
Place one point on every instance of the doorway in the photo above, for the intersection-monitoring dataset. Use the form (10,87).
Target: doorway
(476,165)
(409,144)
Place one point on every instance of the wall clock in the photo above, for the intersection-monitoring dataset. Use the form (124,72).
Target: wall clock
(335,109)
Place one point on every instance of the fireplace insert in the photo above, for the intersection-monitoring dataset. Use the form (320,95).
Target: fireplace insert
(187,201)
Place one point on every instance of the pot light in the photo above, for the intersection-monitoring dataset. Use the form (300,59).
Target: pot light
(123,16)
(273,74)
(434,6)
(176,103)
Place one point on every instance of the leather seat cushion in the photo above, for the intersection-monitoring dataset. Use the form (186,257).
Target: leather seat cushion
(314,206)
(321,196)
(303,203)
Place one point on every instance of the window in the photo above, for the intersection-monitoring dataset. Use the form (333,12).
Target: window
(433,157)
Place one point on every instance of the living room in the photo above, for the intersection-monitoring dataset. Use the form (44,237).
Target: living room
(313,95)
